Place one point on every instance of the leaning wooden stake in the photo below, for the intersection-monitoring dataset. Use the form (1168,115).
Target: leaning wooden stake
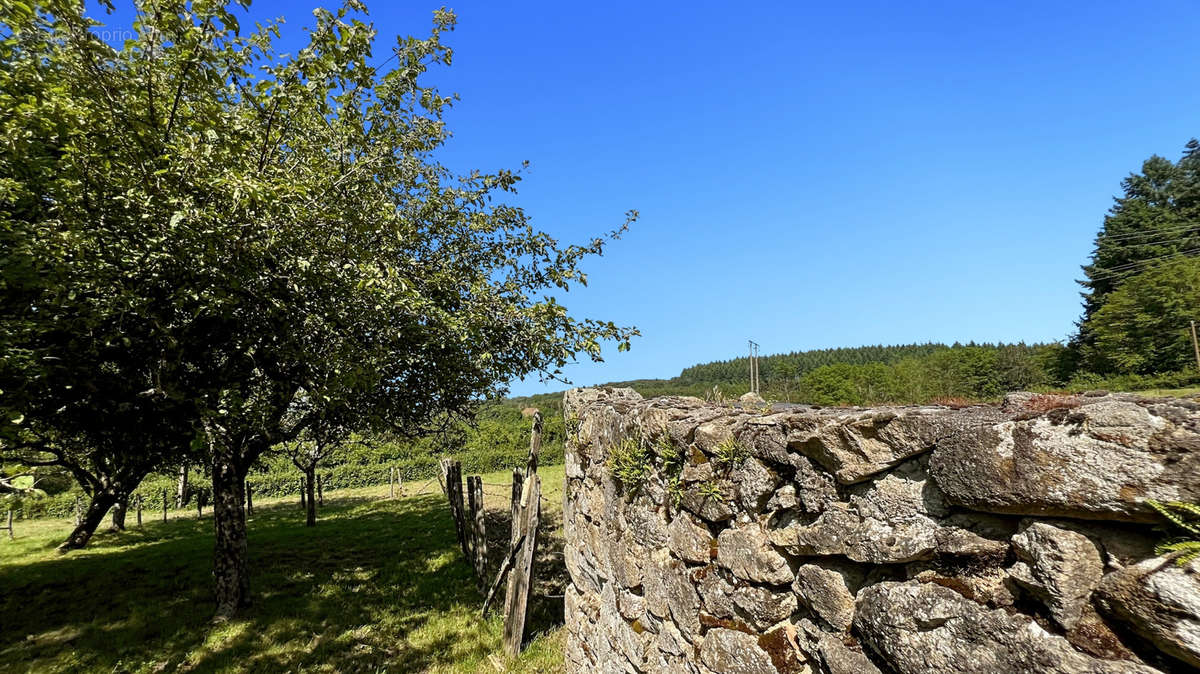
(516,600)
(505,564)
(443,473)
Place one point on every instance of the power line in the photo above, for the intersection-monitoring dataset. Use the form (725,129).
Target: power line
(1122,269)
(1154,232)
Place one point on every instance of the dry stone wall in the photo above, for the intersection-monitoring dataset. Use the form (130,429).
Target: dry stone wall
(706,538)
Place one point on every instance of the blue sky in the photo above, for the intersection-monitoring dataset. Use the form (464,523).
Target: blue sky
(814,175)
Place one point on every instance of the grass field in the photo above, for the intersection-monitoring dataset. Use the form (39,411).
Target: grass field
(379,585)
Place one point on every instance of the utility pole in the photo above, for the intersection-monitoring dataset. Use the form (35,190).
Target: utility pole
(1195,345)
(753,365)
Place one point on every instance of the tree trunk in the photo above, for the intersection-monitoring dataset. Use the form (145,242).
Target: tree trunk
(181,490)
(310,474)
(119,509)
(99,506)
(230,569)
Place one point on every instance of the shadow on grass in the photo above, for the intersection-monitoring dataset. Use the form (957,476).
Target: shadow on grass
(376,586)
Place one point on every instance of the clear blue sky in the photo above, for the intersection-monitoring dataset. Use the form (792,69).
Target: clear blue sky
(814,175)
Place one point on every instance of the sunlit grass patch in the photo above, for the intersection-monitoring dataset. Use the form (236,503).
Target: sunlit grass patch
(378,585)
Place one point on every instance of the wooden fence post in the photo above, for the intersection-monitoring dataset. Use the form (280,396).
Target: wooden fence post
(460,520)
(535,446)
(391,482)
(164,495)
(10,530)
(478,529)
(443,469)
(139,507)
(516,600)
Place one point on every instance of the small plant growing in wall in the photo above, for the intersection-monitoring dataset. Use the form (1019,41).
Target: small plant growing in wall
(1184,517)
(711,490)
(730,453)
(630,462)
(672,468)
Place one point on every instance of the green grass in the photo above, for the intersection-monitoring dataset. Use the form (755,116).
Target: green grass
(377,585)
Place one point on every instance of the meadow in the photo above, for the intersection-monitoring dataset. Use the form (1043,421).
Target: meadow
(379,585)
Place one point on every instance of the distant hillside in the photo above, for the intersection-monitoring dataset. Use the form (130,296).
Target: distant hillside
(898,373)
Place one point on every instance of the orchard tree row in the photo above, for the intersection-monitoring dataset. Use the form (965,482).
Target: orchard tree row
(212,249)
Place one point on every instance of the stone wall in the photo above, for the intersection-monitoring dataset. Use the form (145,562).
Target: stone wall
(751,538)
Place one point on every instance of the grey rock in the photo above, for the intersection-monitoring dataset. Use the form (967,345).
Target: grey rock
(751,399)
(754,484)
(920,628)
(734,652)
(827,593)
(716,593)
(1160,600)
(761,607)
(747,552)
(711,507)
(1101,460)
(1058,566)
(890,520)
(682,599)
(689,539)
(784,498)
(830,652)
(856,444)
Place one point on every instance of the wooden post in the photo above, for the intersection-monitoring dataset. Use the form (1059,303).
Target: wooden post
(518,481)
(535,445)
(391,482)
(164,495)
(1195,345)
(399,482)
(443,475)
(459,508)
(249,500)
(320,490)
(478,530)
(516,600)
(10,530)
(139,507)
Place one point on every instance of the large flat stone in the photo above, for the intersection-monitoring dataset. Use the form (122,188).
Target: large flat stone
(920,628)
(1101,460)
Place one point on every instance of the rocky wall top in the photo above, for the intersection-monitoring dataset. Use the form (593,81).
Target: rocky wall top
(709,538)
